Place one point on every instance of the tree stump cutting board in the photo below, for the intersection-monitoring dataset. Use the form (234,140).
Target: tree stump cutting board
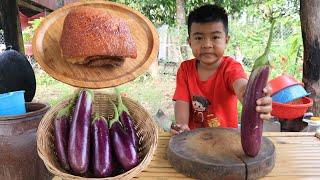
(216,153)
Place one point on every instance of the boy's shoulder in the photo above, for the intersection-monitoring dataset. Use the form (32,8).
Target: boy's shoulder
(230,61)
(189,63)
(226,61)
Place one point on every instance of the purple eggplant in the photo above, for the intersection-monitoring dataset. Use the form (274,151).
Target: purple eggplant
(251,123)
(102,151)
(79,136)
(125,151)
(127,121)
(61,133)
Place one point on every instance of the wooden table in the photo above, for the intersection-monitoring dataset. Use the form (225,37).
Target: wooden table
(297,157)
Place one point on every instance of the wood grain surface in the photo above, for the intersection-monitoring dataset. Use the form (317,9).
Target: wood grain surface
(297,157)
(46,48)
(216,153)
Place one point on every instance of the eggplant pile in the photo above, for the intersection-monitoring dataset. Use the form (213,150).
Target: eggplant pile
(61,132)
(126,120)
(102,152)
(94,146)
(251,123)
(125,150)
(79,135)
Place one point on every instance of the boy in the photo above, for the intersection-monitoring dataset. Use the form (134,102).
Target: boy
(208,86)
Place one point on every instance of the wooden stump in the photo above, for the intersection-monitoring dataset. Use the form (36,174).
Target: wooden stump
(216,153)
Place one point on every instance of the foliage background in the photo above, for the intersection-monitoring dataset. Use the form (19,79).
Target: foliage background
(249,27)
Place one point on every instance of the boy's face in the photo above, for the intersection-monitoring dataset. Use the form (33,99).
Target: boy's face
(208,41)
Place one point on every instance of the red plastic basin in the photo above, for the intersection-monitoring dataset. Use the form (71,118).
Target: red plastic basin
(282,82)
(291,110)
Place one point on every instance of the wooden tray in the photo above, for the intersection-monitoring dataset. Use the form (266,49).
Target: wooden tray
(216,153)
(46,49)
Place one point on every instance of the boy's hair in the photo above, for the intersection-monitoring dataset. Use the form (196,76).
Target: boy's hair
(208,13)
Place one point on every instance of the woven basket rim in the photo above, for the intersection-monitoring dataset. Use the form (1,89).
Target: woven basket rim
(63,174)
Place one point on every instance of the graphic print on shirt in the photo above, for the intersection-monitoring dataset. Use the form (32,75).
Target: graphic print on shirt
(201,112)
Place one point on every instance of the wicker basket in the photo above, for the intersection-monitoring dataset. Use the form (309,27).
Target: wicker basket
(146,130)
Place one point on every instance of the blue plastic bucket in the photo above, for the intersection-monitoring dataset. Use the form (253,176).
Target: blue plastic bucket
(12,103)
(290,93)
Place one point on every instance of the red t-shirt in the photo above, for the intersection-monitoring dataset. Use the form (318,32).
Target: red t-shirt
(213,102)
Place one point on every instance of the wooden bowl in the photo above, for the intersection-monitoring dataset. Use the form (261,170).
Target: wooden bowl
(46,48)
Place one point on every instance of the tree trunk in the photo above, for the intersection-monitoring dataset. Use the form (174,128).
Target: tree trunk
(11,25)
(181,20)
(181,13)
(310,27)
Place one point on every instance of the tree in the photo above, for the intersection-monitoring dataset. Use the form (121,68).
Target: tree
(181,13)
(310,27)
(157,11)
(169,12)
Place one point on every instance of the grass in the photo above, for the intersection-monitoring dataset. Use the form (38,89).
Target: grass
(50,90)
(152,94)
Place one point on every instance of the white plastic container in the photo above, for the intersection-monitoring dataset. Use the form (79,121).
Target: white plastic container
(312,125)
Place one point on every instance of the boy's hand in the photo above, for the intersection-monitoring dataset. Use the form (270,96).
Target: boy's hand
(178,128)
(264,104)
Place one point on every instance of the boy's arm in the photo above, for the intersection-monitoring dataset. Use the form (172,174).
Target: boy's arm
(181,112)
(264,104)
(239,87)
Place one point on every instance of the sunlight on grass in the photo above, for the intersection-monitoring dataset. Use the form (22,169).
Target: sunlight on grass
(50,90)
(150,93)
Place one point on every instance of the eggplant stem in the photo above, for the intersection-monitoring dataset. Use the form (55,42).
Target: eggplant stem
(264,58)
(74,98)
(67,110)
(121,107)
(116,115)
(96,117)
(104,119)
(63,112)
(90,92)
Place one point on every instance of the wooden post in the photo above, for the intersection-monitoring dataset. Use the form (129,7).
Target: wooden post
(11,24)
